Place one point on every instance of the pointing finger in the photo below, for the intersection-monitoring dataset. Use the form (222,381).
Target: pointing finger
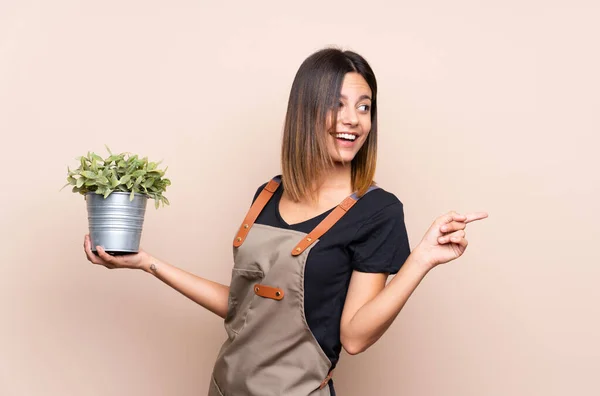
(475,216)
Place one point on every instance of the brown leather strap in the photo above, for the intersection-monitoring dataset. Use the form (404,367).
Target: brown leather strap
(326,380)
(258,205)
(324,225)
(268,292)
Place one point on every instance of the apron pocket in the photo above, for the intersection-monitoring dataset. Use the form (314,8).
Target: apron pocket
(241,294)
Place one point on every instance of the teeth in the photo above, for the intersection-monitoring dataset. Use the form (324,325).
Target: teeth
(347,136)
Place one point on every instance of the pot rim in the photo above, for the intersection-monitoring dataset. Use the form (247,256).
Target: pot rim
(118,192)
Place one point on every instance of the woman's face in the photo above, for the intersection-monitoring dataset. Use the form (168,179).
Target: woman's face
(353,119)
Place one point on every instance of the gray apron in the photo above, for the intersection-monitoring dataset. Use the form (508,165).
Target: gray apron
(270,350)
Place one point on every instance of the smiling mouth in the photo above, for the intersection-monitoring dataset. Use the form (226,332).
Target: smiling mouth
(349,137)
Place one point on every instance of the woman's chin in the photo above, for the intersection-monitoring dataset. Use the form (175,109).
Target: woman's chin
(342,160)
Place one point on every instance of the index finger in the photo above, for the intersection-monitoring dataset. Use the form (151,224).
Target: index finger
(475,216)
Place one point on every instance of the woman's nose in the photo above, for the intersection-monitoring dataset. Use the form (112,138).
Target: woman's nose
(349,116)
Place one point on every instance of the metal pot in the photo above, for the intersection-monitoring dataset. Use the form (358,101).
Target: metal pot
(115,222)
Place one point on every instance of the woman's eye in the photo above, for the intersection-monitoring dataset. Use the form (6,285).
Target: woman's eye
(364,107)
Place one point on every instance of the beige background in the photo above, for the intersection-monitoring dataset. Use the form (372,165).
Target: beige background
(482,107)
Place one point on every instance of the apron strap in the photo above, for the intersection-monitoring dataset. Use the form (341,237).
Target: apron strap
(328,222)
(258,205)
(326,380)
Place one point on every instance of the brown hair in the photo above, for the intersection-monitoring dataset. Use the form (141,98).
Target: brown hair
(314,93)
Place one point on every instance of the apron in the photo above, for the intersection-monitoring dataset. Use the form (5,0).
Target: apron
(270,350)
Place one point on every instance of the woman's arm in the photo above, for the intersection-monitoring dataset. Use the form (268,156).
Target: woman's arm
(211,295)
(371,306)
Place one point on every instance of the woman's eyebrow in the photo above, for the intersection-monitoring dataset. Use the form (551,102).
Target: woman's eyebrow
(360,98)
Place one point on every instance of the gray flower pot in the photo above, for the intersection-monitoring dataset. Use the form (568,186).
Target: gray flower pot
(115,223)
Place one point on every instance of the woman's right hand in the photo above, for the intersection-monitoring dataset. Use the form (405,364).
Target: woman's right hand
(140,260)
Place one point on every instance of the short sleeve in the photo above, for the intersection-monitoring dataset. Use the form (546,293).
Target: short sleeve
(381,243)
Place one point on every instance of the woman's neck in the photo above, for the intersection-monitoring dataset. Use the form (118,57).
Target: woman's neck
(337,178)
(335,184)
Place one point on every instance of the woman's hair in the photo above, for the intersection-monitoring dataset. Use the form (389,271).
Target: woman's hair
(313,98)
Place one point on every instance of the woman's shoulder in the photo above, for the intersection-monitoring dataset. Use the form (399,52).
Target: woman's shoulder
(380,198)
(377,207)
(264,184)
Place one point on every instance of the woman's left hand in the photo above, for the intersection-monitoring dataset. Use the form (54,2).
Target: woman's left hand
(446,238)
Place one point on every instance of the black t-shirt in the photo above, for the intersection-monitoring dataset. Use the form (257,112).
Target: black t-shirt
(370,237)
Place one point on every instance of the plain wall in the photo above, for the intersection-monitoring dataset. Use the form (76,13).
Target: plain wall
(482,106)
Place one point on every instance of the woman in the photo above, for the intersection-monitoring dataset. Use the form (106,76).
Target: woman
(314,252)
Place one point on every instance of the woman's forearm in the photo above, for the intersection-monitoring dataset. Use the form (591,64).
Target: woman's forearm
(211,295)
(371,321)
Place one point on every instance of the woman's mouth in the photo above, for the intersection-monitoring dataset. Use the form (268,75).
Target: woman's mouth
(349,137)
(345,139)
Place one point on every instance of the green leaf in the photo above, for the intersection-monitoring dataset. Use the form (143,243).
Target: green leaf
(97,158)
(80,182)
(138,173)
(107,149)
(107,192)
(89,174)
(125,179)
(114,182)
(148,183)
(131,196)
(102,180)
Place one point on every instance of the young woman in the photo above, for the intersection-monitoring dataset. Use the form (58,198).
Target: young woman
(312,256)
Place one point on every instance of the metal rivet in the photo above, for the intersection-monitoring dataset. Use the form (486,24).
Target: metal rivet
(308,239)
(238,239)
(256,289)
(278,294)
(298,249)
(246,226)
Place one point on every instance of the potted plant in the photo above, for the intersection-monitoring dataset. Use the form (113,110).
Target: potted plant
(116,190)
